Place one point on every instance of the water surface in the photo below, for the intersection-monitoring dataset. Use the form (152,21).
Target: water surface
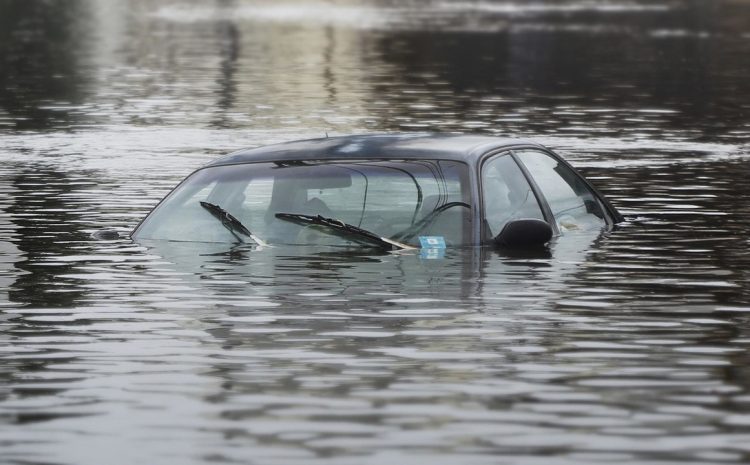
(625,347)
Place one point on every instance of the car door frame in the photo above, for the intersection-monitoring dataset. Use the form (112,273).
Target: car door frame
(611,215)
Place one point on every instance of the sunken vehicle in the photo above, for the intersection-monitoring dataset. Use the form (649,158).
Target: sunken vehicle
(386,191)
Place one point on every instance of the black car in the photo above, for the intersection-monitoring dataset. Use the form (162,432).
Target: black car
(387,191)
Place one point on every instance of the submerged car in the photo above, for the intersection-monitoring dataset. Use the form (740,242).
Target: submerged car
(387,191)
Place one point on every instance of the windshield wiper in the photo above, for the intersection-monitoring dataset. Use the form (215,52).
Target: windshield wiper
(344,230)
(231,223)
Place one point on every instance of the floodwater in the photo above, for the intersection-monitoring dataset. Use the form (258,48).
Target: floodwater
(629,347)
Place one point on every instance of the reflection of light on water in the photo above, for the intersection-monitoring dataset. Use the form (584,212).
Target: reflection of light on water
(614,152)
(9,252)
(181,150)
(306,12)
(161,149)
(464,16)
(561,7)
(679,33)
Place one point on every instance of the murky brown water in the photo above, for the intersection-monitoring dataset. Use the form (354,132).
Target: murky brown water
(629,347)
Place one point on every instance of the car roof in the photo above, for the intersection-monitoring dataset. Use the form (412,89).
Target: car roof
(461,147)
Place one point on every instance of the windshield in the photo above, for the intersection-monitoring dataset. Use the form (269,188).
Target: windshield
(400,200)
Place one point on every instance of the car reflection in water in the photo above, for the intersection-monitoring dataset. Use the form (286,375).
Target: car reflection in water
(292,299)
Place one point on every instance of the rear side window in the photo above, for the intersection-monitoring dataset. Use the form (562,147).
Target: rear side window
(574,206)
(507,194)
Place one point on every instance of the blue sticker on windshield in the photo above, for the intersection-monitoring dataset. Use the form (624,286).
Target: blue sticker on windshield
(432,242)
(432,254)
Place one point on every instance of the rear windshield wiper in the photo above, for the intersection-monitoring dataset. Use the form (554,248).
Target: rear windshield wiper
(344,230)
(231,223)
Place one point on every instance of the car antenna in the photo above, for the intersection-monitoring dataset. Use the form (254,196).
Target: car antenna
(326,134)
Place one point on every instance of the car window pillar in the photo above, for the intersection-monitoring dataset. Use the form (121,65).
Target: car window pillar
(544,208)
(549,217)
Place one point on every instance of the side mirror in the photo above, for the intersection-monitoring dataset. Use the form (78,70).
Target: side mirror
(527,232)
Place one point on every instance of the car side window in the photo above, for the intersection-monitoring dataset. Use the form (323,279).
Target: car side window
(574,206)
(507,194)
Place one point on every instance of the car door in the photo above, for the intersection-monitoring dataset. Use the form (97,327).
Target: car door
(506,194)
(573,204)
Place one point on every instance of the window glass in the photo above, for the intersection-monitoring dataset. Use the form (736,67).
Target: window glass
(507,194)
(573,204)
(401,200)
